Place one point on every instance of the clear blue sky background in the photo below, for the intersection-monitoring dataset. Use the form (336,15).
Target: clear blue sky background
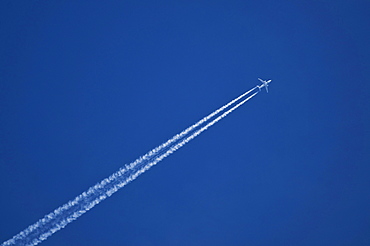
(87,86)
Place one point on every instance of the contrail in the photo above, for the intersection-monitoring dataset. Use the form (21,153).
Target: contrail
(70,211)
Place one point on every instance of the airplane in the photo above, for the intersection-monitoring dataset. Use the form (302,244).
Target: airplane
(264,84)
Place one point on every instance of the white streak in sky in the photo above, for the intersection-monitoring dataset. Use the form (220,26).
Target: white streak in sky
(70,211)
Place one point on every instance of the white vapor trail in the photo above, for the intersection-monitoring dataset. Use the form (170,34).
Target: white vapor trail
(73,209)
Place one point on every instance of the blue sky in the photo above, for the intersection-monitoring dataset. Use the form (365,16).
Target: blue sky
(86,87)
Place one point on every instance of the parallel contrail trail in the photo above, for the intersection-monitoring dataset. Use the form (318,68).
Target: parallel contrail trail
(70,211)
